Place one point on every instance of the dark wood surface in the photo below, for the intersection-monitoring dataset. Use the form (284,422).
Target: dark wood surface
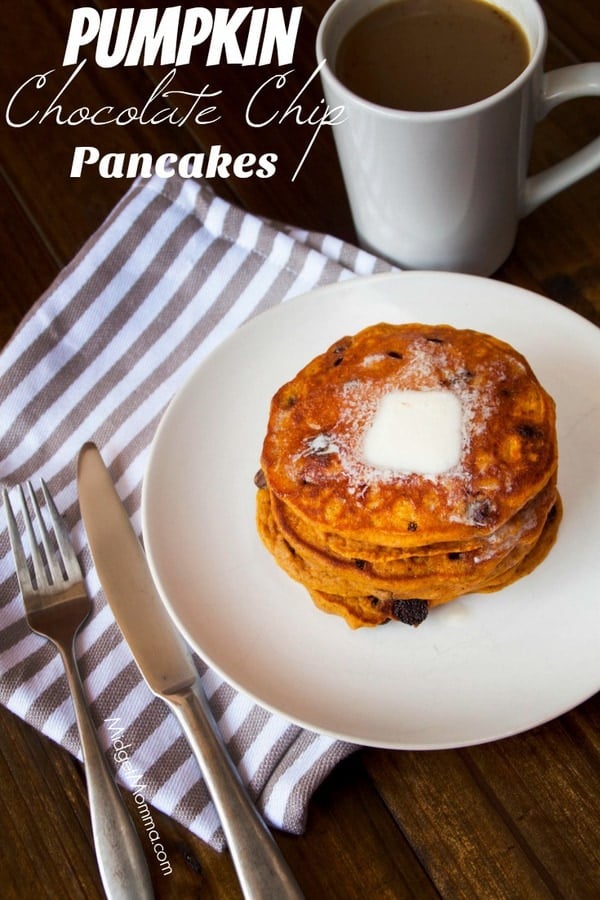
(518,818)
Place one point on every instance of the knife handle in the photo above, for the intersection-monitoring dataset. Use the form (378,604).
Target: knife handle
(261,869)
(123,867)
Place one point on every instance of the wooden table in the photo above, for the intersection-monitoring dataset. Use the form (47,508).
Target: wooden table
(518,818)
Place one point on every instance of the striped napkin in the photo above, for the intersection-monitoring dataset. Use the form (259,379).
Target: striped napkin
(171,273)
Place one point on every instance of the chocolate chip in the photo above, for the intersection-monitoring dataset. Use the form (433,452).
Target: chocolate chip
(338,361)
(464,377)
(529,431)
(454,556)
(412,526)
(360,563)
(320,445)
(259,479)
(481,511)
(411,612)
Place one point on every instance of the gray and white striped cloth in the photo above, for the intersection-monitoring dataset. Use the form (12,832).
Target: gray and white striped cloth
(170,274)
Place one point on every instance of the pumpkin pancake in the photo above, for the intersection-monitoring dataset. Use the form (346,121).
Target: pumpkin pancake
(431,581)
(429,577)
(344,513)
(368,611)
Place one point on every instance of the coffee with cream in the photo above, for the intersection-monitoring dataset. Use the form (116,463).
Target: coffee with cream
(426,55)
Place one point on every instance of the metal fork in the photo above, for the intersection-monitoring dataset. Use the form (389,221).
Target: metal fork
(56,606)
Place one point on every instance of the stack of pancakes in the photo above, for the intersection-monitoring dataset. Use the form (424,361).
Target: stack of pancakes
(372,543)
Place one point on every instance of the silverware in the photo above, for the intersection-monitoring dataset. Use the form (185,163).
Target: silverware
(56,606)
(166,663)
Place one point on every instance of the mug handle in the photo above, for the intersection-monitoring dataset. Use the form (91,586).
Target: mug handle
(558,86)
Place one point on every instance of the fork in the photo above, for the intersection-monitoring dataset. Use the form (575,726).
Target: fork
(56,606)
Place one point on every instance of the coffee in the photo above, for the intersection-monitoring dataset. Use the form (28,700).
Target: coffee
(426,55)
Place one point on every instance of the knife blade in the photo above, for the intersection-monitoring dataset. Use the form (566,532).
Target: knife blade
(166,663)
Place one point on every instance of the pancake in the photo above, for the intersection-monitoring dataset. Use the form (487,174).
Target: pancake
(369,611)
(373,542)
(364,596)
(429,577)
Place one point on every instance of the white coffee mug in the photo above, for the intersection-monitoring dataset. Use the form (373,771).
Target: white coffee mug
(446,190)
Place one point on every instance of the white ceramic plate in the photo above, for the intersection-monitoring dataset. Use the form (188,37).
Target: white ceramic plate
(482,667)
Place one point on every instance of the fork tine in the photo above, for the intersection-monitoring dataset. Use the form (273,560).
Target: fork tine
(45,537)
(23,576)
(36,557)
(71,563)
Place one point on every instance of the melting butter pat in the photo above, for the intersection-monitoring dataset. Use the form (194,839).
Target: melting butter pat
(415,432)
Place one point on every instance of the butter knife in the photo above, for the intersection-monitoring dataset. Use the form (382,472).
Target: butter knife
(166,663)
